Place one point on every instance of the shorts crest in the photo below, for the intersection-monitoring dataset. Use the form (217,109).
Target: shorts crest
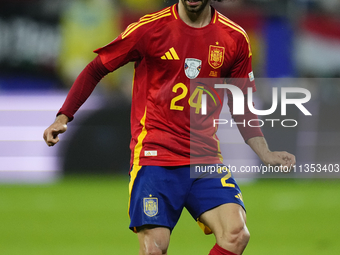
(150,205)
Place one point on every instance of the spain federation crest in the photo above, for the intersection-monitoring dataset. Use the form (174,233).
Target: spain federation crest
(150,206)
(192,67)
(216,56)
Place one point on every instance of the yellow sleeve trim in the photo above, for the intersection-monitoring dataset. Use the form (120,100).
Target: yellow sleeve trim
(156,13)
(236,27)
(146,19)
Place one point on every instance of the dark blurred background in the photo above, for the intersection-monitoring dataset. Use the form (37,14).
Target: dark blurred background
(44,45)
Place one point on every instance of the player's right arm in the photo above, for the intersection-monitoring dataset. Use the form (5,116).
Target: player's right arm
(110,57)
(80,91)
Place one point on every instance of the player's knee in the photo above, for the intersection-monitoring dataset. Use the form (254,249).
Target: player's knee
(236,237)
(153,251)
(154,241)
(244,237)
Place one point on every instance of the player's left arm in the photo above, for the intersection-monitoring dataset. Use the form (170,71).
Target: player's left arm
(273,158)
(253,136)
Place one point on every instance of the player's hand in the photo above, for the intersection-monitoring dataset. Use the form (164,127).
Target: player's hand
(278,158)
(271,158)
(58,127)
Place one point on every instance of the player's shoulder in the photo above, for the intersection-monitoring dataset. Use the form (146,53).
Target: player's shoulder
(151,20)
(229,26)
(234,30)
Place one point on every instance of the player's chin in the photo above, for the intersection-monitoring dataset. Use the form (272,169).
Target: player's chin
(193,5)
(192,2)
(193,10)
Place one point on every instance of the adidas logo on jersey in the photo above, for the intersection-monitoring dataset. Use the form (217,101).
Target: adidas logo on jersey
(170,55)
(150,153)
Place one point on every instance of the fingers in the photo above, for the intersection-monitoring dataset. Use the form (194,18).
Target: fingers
(51,133)
(281,159)
(288,159)
(286,162)
(51,137)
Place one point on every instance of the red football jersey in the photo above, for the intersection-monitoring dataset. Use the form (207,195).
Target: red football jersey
(167,126)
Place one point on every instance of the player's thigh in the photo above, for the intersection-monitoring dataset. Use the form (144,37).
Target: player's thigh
(153,240)
(209,194)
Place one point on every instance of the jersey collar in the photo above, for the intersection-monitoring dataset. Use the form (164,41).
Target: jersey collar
(214,15)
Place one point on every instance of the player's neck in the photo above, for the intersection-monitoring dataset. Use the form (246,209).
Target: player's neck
(195,19)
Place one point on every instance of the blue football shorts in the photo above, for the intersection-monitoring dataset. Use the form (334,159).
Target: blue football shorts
(159,194)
